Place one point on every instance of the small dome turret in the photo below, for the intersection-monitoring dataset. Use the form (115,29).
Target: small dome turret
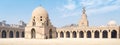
(112,23)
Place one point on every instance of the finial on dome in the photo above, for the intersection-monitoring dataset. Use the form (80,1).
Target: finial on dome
(84,10)
(40,5)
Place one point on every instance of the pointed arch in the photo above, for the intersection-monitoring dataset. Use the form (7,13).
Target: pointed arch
(105,34)
(96,34)
(88,34)
(74,34)
(114,34)
(67,34)
(4,35)
(23,34)
(11,34)
(56,34)
(81,34)
(61,34)
(33,33)
(17,34)
(50,33)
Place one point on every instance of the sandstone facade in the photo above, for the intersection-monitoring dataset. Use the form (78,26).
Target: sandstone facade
(40,27)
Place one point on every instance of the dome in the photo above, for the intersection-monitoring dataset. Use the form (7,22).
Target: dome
(112,23)
(40,11)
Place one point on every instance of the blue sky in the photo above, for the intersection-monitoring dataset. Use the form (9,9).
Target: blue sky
(62,12)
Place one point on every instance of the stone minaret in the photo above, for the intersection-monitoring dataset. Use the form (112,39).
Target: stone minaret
(83,22)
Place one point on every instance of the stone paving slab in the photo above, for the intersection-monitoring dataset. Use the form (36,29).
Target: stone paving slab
(22,41)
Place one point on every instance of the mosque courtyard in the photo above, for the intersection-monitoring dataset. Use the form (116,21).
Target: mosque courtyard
(60,41)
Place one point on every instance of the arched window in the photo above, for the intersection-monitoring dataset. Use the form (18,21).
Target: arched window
(23,34)
(4,34)
(40,16)
(40,19)
(88,34)
(96,34)
(17,34)
(33,33)
(47,23)
(33,20)
(34,16)
(105,34)
(74,34)
(34,23)
(11,34)
(56,34)
(114,34)
(67,34)
(81,34)
(50,33)
(61,34)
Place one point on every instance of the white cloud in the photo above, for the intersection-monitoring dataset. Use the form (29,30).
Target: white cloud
(71,14)
(105,9)
(97,7)
(70,6)
(87,2)
(93,7)
(102,7)
(98,3)
(68,9)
